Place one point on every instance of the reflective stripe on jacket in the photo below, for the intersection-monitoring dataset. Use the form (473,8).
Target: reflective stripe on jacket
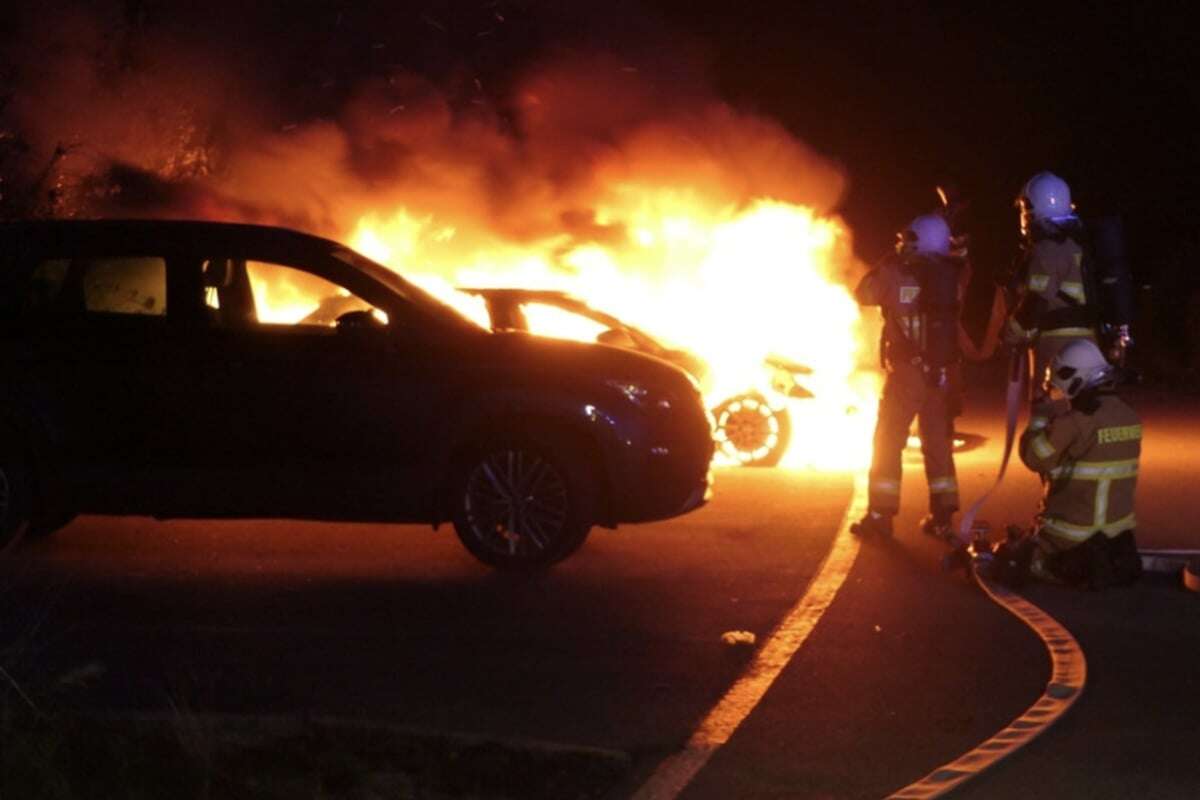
(1055,301)
(1089,464)
(1056,269)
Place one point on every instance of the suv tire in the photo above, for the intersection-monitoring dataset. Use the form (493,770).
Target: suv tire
(520,504)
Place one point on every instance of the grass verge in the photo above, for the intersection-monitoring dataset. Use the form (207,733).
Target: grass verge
(218,756)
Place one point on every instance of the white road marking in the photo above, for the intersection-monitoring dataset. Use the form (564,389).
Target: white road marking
(1068,676)
(677,771)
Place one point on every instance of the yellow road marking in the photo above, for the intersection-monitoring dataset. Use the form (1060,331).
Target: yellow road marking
(677,771)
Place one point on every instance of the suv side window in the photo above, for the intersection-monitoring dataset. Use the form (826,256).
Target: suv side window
(126,285)
(274,294)
(289,296)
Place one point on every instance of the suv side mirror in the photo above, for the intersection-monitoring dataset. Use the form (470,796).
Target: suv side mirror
(617,337)
(363,319)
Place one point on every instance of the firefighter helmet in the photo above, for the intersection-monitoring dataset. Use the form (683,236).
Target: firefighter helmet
(1078,366)
(1045,197)
(928,234)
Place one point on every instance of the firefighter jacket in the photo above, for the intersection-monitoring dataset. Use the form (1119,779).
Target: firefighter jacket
(1054,297)
(919,299)
(1088,459)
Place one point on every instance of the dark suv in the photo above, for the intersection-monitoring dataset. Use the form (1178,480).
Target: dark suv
(175,369)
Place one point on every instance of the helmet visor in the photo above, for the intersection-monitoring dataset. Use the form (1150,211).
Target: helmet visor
(1064,380)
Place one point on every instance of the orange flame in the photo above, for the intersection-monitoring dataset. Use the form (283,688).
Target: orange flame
(732,285)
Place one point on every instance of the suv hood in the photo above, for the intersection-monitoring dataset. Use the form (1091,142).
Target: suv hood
(579,360)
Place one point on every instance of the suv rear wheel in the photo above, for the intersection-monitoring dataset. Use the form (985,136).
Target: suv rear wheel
(14,490)
(50,521)
(521,505)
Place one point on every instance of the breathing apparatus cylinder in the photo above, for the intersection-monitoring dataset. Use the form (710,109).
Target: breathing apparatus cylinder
(1110,282)
(1112,270)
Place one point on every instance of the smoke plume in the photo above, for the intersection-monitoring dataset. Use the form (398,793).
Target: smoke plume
(130,109)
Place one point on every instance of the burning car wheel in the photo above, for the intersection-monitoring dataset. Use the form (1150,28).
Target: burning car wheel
(14,499)
(50,521)
(519,507)
(750,432)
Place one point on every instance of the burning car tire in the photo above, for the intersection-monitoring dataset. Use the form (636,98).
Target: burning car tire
(50,521)
(750,432)
(14,490)
(519,505)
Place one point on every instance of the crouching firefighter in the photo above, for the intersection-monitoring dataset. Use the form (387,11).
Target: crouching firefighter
(1085,445)
(917,290)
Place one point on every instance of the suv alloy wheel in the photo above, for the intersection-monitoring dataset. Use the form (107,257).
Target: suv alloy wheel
(519,505)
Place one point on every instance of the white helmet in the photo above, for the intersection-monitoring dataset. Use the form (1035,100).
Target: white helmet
(1046,197)
(926,235)
(1078,366)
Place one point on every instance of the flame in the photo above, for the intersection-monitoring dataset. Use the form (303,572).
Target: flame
(731,285)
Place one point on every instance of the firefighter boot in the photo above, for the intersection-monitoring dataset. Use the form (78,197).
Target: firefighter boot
(939,525)
(1014,558)
(873,524)
(1127,564)
(1101,573)
(1042,566)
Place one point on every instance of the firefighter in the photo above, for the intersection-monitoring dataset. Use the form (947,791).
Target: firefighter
(1054,306)
(917,290)
(1085,445)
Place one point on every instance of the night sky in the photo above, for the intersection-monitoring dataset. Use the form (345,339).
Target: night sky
(990,94)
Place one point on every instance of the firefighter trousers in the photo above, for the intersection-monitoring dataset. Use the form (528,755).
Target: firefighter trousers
(907,394)
(1099,562)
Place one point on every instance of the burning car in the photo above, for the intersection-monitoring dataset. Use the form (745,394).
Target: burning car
(192,369)
(751,428)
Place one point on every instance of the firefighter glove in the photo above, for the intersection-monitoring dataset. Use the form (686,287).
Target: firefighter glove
(1017,336)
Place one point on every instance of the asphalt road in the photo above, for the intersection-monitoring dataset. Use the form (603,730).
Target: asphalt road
(620,647)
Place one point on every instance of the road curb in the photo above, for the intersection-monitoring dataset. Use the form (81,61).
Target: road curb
(1068,676)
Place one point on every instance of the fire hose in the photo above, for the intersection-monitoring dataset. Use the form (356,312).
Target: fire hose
(1018,373)
(991,335)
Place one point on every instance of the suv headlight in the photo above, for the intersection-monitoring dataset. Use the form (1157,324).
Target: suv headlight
(640,395)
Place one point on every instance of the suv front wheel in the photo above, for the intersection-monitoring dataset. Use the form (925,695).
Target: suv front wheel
(521,505)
